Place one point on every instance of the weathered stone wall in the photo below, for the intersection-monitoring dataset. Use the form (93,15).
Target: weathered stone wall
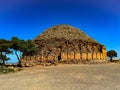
(65,57)
(65,51)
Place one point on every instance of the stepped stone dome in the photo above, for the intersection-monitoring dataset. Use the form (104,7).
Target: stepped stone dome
(65,43)
(64,31)
(65,38)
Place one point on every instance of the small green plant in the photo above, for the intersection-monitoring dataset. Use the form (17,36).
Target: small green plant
(5,70)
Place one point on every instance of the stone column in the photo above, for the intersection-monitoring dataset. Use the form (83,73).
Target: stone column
(72,56)
(63,55)
(89,56)
(77,56)
(84,56)
(98,56)
(94,56)
(104,53)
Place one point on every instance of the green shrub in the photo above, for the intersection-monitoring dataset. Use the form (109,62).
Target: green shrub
(5,70)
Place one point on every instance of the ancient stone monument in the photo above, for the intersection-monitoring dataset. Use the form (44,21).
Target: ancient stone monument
(65,44)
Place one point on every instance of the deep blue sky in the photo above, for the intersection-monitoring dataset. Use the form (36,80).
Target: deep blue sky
(26,19)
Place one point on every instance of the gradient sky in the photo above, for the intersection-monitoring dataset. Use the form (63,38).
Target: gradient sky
(26,19)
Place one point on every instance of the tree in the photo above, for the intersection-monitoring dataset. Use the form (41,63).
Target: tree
(16,45)
(3,58)
(29,48)
(24,47)
(4,50)
(111,54)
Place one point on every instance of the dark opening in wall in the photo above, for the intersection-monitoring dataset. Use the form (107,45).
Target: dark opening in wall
(59,57)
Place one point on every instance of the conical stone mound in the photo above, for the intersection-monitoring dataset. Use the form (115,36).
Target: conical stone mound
(65,38)
(64,31)
(65,44)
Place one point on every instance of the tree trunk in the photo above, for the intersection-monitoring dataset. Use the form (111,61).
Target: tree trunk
(2,58)
(19,62)
(111,59)
(3,62)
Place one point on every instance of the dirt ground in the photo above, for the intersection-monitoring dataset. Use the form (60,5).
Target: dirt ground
(64,77)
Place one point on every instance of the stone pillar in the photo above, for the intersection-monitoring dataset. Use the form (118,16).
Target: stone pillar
(94,56)
(50,57)
(69,55)
(84,56)
(63,55)
(89,56)
(104,53)
(98,56)
(77,56)
(72,55)
(44,58)
(101,55)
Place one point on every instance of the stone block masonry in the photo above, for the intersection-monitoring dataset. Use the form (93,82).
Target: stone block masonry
(64,58)
(65,44)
